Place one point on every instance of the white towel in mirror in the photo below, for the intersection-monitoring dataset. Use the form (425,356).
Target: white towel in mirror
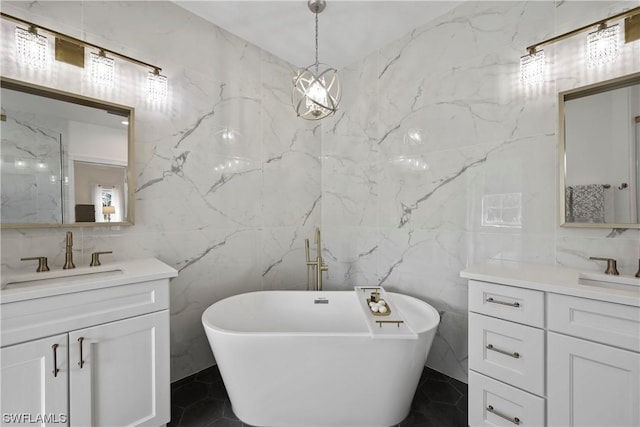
(585,203)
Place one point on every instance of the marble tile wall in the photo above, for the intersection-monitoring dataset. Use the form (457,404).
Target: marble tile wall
(431,127)
(437,125)
(227,231)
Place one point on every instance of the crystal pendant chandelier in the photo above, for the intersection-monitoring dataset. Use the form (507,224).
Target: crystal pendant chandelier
(603,45)
(316,89)
(32,48)
(102,69)
(157,86)
(532,67)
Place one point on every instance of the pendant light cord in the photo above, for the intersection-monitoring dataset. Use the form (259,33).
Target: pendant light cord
(316,41)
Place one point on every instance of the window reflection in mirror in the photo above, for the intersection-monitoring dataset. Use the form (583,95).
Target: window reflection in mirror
(61,155)
(98,186)
(601,148)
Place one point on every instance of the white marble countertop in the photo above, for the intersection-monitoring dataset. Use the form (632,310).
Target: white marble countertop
(554,279)
(29,285)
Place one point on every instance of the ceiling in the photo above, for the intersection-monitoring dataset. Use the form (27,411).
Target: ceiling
(348,29)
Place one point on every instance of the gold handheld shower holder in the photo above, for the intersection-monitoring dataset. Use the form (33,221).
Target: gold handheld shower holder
(317,266)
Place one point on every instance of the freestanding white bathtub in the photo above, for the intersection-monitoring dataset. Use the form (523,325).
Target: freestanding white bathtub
(288,360)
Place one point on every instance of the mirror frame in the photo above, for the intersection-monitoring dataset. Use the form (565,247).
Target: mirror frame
(33,89)
(592,89)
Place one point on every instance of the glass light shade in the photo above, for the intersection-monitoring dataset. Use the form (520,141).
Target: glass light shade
(20,164)
(102,70)
(410,163)
(603,45)
(42,166)
(32,48)
(157,87)
(532,68)
(414,136)
(229,136)
(316,92)
(232,165)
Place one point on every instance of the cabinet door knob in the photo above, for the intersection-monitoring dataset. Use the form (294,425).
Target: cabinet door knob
(514,420)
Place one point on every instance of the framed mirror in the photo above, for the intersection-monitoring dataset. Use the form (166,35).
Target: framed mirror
(66,160)
(599,130)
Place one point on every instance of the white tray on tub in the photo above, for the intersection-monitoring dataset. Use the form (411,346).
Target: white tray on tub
(389,325)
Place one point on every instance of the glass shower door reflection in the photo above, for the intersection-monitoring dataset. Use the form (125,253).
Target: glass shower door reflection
(31,173)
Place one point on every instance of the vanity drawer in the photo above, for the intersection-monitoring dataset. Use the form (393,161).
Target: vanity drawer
(601,321)
(507,351)
(492,403)
(507,302)
(26,320)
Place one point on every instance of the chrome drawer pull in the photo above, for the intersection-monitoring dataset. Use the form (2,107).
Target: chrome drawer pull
(515,354)
(510,304)
(514,420)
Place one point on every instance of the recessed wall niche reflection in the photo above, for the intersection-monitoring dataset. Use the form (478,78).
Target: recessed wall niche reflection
(409,154)
(232,154)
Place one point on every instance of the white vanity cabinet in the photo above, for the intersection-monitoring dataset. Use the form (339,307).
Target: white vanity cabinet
(593,363)
(506,355)
(93,354)
(547,351)
(29,384)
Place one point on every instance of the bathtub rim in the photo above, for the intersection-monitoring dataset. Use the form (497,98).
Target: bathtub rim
(433,322)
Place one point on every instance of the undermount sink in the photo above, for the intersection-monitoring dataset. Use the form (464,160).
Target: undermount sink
(61,276)
(609,281)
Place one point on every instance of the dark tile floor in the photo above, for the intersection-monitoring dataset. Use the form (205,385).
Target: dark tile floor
(201,400)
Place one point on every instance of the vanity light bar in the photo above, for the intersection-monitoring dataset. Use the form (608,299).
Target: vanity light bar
(70,39)
(602,46)
(625,14)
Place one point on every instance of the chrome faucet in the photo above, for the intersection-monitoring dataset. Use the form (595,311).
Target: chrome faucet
(68,259)
(317,265)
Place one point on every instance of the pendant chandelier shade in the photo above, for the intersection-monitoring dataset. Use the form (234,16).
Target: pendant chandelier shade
(316,89)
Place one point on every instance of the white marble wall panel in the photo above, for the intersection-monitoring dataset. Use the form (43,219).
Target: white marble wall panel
(455,162)
(228,179)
